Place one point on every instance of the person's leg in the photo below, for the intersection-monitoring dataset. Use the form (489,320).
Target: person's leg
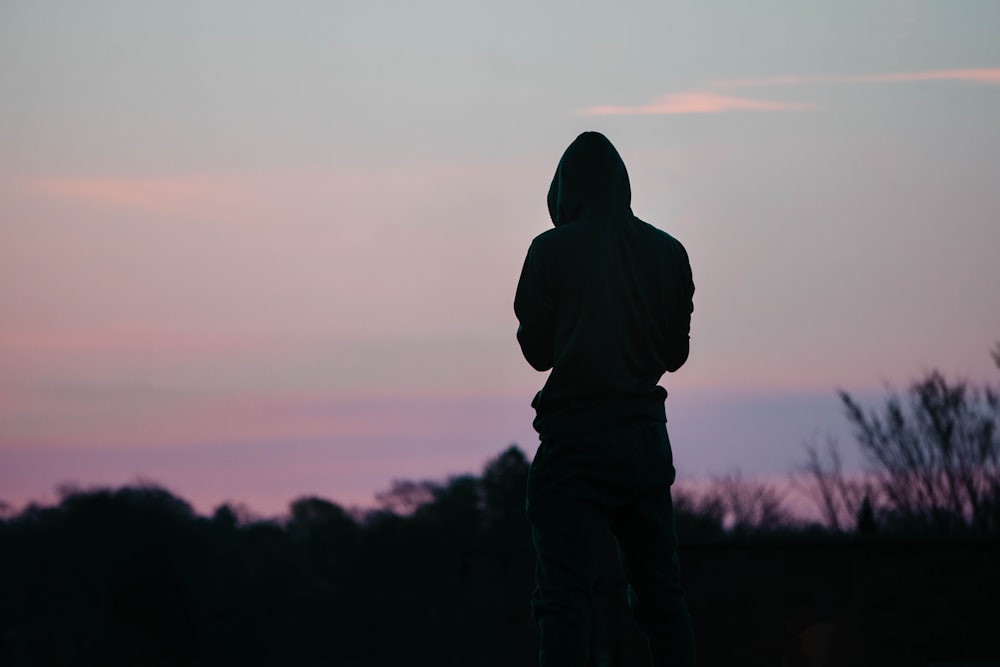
(647,538)
(567,527)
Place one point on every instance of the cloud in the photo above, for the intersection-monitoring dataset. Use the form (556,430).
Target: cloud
(241,194)
(985,75)
(118,341)
(136,417)
(134,192)
(206,195)
(702,101)
(694,102)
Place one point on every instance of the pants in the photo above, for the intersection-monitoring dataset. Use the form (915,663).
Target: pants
(580,488)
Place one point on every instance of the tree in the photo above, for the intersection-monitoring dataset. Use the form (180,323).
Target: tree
(749,506)
(405,496)
(729,504)
(698,515)
(504,481)
(933,460)
(838,496)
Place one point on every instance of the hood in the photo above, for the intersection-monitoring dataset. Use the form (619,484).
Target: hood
(590,177)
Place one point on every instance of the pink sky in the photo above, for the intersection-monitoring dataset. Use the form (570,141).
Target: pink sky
(261,254)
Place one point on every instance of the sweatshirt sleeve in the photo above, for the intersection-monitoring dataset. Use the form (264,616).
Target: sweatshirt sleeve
(679,342)
(534,308)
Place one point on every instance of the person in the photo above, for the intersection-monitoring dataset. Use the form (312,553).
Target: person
(604,300)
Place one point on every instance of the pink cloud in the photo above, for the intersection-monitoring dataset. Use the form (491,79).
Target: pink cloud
(985,75)
(229,196)
(141,193)
(114,339)
(136,419)
(92,419)
(236,193)
(694,102)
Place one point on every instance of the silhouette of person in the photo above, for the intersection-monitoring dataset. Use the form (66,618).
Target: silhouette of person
(604,300)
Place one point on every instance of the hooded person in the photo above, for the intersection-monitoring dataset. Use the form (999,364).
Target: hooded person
(604,301)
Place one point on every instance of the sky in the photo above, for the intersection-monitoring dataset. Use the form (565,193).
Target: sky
(252,251)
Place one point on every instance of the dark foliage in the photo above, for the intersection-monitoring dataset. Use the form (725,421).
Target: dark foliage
(133,576)
(441,574)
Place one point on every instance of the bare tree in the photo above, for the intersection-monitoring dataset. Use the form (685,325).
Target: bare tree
(752,505)
(739,504)
(933,460)
(838,496)
(937,463)
(688,500)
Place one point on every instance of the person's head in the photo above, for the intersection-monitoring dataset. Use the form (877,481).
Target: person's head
(591,176)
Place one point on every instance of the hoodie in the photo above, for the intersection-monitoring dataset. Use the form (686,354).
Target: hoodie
(604,300)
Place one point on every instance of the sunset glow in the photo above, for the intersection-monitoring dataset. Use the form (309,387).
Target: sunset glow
(253,254)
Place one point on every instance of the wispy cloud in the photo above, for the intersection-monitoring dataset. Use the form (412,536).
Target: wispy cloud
(150,417)
(985,75)
(119,341)
(694,102)
(705,101)
(244,192)
(206,193)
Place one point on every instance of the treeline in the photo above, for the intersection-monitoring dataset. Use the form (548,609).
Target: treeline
(441,575)
(134,576)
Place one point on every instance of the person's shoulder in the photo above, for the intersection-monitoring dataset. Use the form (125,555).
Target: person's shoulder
(660,237)
(552,237)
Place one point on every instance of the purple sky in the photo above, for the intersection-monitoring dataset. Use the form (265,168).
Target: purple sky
(253,251)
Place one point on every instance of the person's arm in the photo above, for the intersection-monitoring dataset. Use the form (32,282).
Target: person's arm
(534,308)
(679,342)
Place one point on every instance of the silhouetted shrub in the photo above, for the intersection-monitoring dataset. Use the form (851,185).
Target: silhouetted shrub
(933,461)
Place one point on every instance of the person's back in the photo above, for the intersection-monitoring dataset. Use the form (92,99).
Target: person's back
(605,301)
